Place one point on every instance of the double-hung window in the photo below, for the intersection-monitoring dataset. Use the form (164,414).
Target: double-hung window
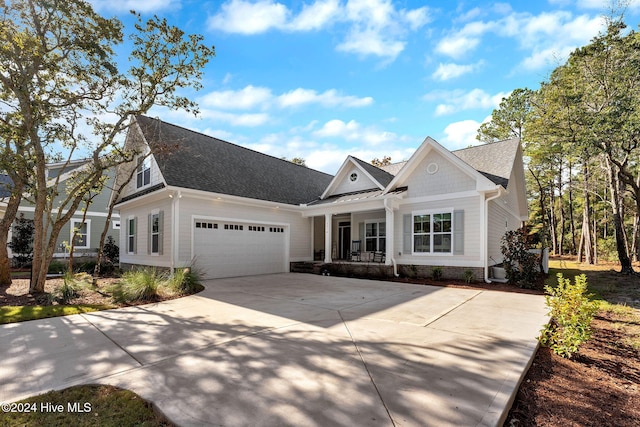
(131,235)
(155,233)
(375,236)
(433,232)
(143,174)
(80,233)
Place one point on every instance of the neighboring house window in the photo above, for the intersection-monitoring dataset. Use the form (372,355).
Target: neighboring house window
(375,236)
(143,175)
(432,232)
(131,235)
(155,233)
(80,233)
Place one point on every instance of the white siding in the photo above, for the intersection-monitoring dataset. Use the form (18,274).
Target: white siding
(347,186)
(447,179)
(500,221)
(299,227)
(472,226)
(141,212)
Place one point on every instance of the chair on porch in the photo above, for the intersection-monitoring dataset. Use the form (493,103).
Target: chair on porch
(378,257)
(356,251)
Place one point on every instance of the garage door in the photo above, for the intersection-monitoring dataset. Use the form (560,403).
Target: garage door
(229,249)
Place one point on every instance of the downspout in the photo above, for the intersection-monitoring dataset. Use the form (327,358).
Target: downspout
(486,232)
(387,208)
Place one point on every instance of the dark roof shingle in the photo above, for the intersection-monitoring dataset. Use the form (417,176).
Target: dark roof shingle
(201,162)
(494,160)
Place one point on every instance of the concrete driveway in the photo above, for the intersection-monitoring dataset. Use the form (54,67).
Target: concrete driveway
(293,349)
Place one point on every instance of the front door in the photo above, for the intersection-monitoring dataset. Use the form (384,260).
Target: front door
(344,239)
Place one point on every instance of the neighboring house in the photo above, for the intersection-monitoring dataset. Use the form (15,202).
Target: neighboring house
(5,192)
(231,211)
(87,236)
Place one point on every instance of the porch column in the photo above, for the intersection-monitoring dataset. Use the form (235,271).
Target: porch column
(327,237)
(389,234)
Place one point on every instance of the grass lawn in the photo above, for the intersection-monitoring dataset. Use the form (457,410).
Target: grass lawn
(12,314)
(86,405)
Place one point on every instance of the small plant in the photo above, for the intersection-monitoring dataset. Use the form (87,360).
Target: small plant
(436,272)
(571,313)
(468,276)
(71,286)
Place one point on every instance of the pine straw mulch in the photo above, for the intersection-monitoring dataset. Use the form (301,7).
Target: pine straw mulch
(17,294)
(599,386)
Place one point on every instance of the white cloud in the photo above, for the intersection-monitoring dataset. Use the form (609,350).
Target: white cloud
(354,131)
(460,134)
(329,98)
(315,16)
(243,99)
(249,120)
(451,70)
(460,101)
(147,6)
(373,27)
(242,17)
(252,97)
(546,35)
(457,45)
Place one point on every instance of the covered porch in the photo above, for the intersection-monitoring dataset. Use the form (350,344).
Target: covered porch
(356,228)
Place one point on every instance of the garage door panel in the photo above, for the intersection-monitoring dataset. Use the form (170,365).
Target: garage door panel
(236,249)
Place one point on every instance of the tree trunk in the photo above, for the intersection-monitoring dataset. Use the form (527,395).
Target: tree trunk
(572,225)
(618,218)
(5,225)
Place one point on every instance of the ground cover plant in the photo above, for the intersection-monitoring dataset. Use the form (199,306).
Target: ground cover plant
(91,405)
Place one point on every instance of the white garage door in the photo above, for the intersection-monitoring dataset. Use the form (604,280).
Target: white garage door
(229,249)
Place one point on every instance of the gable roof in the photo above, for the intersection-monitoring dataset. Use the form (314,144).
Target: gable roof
(210,164)
(380,175)
(494,160)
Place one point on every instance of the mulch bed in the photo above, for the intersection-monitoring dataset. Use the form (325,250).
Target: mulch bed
(600,386)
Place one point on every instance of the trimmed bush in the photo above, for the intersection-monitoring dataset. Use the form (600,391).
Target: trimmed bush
(571,311)
(436,272)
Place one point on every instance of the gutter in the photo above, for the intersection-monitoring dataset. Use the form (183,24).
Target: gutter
(486,230)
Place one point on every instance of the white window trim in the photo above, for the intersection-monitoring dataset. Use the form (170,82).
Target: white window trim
(431,212)
(72,224)
(130,248)
(377,237)
(151,234)
(140,171)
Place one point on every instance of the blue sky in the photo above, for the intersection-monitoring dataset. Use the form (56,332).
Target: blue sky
(322,79)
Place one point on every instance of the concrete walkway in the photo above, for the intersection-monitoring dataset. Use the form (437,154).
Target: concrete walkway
(293,349)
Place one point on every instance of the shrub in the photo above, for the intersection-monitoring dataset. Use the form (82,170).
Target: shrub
(111,251)
(185,281)
(468,276)
(436,272)
(57,267)
(521,265)
(571,313)
(138,285)
(22,241)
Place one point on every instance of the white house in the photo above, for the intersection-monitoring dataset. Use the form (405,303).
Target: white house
(231,211)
